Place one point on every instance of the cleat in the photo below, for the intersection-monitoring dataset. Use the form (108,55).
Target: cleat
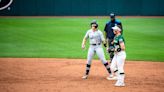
(120,84)
(111,78)
(85,77)
(111,75)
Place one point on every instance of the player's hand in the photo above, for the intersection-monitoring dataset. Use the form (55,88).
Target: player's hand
(105,45)
(110,49)
(112,42)
(83,46)
(107,49)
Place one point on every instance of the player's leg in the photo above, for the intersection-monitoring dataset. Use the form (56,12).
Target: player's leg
(89,61)
(120,64)
(111,54)
(113,67)
(100,54)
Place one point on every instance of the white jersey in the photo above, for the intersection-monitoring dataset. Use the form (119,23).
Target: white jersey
(95,37)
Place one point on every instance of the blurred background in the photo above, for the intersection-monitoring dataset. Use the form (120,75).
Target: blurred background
(82,7)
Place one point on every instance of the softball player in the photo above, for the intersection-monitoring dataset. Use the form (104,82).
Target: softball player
(96,38)
(119,56)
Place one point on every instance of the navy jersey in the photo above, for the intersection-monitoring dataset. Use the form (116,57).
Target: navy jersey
(108,28)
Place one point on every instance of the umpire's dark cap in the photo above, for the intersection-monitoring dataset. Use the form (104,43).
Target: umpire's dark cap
(112,15)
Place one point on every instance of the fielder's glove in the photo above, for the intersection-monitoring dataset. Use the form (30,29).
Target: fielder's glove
(110,49)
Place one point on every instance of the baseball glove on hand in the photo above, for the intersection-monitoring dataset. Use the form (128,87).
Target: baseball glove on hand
(110,49)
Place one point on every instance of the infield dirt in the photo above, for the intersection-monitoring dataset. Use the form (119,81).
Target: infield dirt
(64,75)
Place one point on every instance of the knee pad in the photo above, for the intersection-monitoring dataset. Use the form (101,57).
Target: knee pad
(106,64)
(88,66)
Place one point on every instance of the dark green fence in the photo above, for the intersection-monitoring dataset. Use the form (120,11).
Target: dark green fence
(84,7)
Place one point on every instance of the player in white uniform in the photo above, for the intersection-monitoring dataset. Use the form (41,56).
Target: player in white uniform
(96,38)
(119,56)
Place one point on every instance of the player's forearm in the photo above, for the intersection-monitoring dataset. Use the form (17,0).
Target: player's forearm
(84,41)
(122,45)
(107,42)
(104,43)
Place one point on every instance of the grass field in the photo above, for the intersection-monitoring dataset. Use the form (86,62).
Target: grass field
(61,37)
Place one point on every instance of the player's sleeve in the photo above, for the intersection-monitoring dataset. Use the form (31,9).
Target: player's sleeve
(87,35)
(105,29)
(118,22)
(121,40)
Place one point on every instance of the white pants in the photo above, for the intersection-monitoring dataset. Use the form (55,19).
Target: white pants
(99,51)
(118,61)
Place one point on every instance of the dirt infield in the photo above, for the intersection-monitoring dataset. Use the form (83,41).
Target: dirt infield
(64,75)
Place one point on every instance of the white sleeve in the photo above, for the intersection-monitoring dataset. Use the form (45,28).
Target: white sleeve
(87,35)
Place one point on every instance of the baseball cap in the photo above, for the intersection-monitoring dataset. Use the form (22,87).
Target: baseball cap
(112,15)
(116,28)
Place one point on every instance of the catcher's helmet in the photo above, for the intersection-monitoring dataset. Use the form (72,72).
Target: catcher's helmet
(94,22)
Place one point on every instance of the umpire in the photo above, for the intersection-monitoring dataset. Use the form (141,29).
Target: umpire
(109,35)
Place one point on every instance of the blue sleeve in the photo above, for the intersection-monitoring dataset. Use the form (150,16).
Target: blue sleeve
(106,26)
(118,22)
(105,29)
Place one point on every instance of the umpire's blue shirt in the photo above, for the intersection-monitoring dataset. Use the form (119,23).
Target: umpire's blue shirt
(108,28)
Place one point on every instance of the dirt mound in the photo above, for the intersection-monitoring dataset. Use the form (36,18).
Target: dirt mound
(64,75)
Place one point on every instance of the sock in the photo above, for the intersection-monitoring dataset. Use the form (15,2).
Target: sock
(87,69)
(107,67)
(122,77)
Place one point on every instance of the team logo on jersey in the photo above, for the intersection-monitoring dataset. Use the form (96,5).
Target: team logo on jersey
(5,4)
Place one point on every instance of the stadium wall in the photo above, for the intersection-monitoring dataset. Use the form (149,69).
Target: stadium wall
(83,7)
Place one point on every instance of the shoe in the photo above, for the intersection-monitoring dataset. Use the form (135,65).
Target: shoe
(85,77)
(111,78)
(119,84)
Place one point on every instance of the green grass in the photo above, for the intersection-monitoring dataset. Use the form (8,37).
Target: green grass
(61,37)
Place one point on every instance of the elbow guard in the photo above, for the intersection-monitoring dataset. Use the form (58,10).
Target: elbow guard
(118,49)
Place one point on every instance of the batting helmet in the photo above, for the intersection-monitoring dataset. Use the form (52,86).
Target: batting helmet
(94,22)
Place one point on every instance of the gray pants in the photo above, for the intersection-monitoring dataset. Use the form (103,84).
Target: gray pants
(99,51)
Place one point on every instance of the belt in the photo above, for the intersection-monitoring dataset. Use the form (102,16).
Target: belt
(96,44)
